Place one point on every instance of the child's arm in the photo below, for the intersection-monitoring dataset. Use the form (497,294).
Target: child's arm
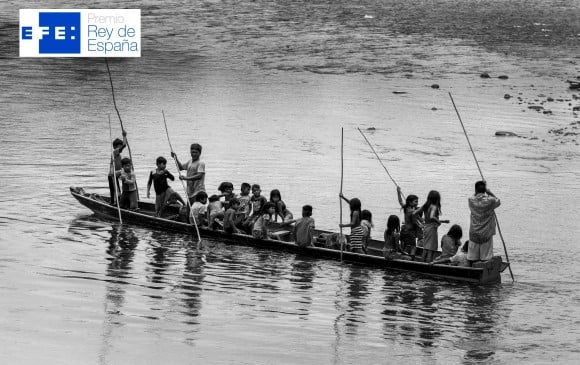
(131,178)
(128,178)
(169,175)
(431,211)
(353,221)
(287,223)
(343,198)
(121,148)
(400,196)
(417,212)
(149,182)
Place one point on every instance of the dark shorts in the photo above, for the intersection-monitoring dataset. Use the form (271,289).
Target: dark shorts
(128,200)
(408,238)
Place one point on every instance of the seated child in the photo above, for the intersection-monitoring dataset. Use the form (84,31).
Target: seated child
(244,210)
(361,234)
(129,195)
(393,246)
(227,192)
(229,217)
(459,259)
(163,192)
(281,210)
(451,242)
(304,228)
(260,228)
(199,209)
(257,203)
(215,211)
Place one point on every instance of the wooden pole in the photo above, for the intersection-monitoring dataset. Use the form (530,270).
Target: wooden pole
(341,183)
(482,178)
(121,121)
(378,158)
(182,183)
(114,171)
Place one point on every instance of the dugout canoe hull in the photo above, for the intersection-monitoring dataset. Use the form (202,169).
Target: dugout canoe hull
(486,273)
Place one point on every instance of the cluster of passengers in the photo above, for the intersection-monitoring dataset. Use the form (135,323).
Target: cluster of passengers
(252,213)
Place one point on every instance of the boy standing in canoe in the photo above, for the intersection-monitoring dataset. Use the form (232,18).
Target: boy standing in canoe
(128,199)
(163,192)
(195,172)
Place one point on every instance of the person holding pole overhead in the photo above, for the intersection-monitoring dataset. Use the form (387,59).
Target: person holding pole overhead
(195,172)
(356,231)
(413,225)
(482,223)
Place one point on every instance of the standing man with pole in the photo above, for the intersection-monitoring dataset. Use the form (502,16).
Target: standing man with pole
(485,190)
(195,172)
(177,164)
(482,223)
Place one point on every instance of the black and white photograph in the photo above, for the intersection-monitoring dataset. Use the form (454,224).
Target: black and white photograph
(290,182)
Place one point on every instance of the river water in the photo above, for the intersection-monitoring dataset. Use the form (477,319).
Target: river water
(265,87)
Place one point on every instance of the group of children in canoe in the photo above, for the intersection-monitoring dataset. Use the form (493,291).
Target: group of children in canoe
(400,242)
(249,213)
(252,213)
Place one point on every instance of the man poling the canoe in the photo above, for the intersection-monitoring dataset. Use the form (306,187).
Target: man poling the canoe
(120,121)
(177,165)
(483,210)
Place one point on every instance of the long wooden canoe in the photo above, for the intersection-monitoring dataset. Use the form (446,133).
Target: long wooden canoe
(484,273)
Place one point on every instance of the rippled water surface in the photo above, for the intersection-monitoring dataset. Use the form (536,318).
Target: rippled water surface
(265,86)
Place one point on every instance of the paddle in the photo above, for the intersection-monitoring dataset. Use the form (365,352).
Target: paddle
(182,183)
(114,171)
(482,178)
(121,121)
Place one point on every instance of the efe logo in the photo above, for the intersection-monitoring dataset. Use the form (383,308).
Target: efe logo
(59,33)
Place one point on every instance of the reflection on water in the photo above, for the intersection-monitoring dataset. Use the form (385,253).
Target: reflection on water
(481,316)
(157,282)
(357,292)
(302,275)
(192,285)
(121,245)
